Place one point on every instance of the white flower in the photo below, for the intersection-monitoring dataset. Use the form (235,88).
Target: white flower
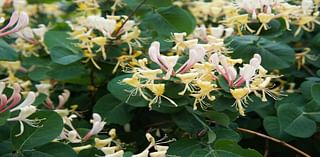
(26,109)
(97,126)
(307,6)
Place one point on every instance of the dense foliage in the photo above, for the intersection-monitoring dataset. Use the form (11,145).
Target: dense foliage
(121,78)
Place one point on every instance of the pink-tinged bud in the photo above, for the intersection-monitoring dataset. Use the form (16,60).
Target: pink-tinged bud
(97,126)
(13,20)
(4,102)
(154,52)
(19,19)
(232,73)
(196,54)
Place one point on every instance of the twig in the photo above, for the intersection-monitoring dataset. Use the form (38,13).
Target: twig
(275,140)
(266,149)
(132,13)
(308,70)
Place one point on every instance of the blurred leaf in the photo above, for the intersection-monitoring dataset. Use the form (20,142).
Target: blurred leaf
(233,147)
(315,92)
(57,150)
(3,117)
(113,110)
(7,53)
(51,127)
(292,120)
(183,147)
(218,117)
(272,126)
(61,48)
(274,55)
(167,20)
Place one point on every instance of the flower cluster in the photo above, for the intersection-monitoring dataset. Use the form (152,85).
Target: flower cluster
(200,74)
(241,13)
(94,30)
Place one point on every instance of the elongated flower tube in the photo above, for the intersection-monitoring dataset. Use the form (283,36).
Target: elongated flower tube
(248,71)
(26,109)
(196,54)
(167,63)
(97,126)
(18,21)
(7,104)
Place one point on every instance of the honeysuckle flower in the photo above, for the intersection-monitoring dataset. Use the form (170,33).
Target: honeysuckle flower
(111,152)
(158,91)
(97,126)
(137,87)
(81,148)
(240,95)
(264,19)
(44,88)
(307,6)
(63,98)
(196,54)
(248,71)
(33,35)
(225,69)
(26,109)
(160,150)
(106,26)
(18,21)
(68,133)
(206,88)
(166,63)
(13,100)
(19,4)
(187,79)
(106,142)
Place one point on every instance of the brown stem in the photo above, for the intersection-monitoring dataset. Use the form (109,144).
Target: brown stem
(132,13)
(266,149)
(275,140)
(308,70)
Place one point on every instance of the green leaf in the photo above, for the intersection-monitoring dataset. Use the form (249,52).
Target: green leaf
(211,136)
(183,147)
(233,147)
(274,55)
(40,99)
(67,72)
(51,127)
(218,117)
(226,134)
(294,122)
(62,50)
(315,92)
(121,90)
(187,122)
(113,110)
(272,126)
(57,150)
(167,20)
(3,117)
(6,52)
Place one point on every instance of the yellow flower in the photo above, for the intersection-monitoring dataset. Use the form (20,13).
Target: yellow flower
(158,91)
(240,94)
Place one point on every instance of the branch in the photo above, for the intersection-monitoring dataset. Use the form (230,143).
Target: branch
(132,13)
(275,140)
